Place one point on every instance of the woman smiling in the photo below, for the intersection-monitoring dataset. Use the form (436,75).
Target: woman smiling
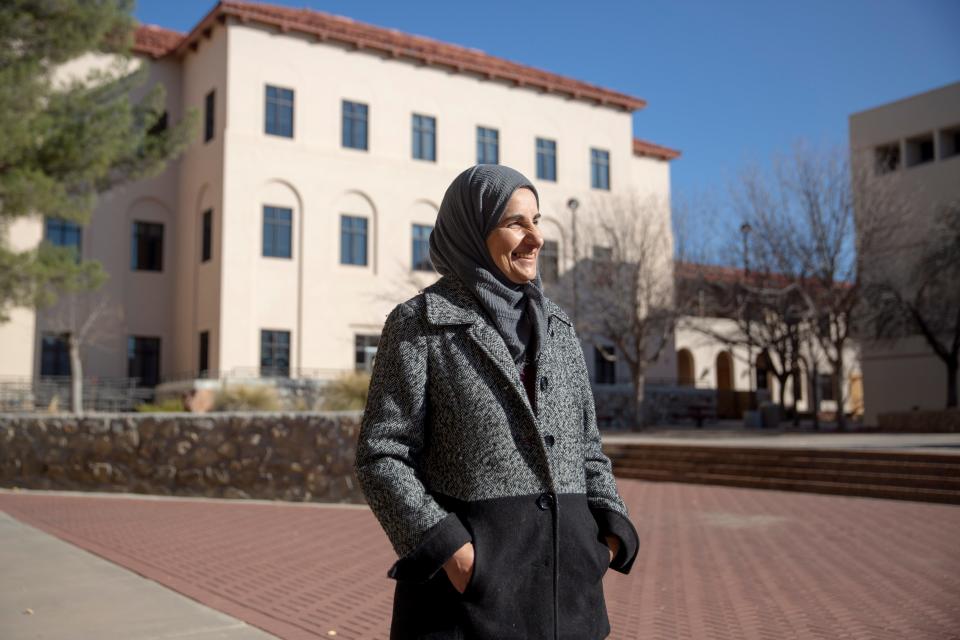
(479,452)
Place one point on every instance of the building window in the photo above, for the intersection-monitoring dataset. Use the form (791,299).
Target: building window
(353,240)
(604,360)
(208,115)
(277,232)
(421,247)
(55,354)
(546,159)
(949,143)
(159,126)
(424,138)
(355,125)
(549,261)
(147,250)
(143,360)
(207,236)
(887,158)
(274,353)
(600,169)
(825,386)
(920,150)
(203,365)
(279,112)
(365,350)
(63,233)
(602,254)
(488,146)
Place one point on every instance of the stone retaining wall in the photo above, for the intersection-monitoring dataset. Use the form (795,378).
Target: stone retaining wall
(288,456)
(926,421)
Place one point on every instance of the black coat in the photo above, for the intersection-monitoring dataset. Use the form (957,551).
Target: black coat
(451,450)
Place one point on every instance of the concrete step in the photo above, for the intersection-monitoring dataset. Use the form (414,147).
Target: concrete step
(891,476)
(902,475)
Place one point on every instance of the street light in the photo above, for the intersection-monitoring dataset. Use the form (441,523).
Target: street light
(573,204)
(745,230)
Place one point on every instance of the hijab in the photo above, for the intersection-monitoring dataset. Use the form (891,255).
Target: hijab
(470,210)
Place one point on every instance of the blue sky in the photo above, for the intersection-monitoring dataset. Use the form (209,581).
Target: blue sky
(727,83)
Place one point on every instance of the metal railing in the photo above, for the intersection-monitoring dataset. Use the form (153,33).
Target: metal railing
(55,393)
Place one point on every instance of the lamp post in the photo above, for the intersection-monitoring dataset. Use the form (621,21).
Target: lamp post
(745,230)
(573,204)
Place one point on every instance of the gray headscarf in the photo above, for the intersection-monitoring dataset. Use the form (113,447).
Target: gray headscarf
(470,210)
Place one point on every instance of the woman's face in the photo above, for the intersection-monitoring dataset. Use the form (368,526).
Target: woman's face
(514,244)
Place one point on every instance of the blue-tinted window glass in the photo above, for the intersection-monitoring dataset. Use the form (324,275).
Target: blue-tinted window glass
(421,247)
(488,146)
(546,159)
(146,252)
(354,125)
(64,233)
(143,360)
(206,245)
(424,137)
(55,354)
(279,112)
(353,240)
(274,353)
(277,232)
(599,169)
(208,116)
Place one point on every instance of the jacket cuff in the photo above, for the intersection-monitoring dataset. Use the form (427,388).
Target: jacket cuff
(440,542)
(615,523)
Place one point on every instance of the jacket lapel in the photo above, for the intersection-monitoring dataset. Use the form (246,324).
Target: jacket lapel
(448,303)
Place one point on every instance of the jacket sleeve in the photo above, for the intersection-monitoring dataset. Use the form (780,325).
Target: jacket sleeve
(604,500)
(392,432)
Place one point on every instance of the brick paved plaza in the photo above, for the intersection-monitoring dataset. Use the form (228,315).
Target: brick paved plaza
(714,563)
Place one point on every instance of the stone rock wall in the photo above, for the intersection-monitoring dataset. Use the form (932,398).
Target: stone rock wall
(286,456)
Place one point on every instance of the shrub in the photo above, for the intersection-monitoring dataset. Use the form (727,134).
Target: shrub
(247,398)
(165,405)
(347,392)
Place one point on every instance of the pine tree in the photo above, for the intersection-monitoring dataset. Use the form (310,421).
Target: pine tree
(62,143)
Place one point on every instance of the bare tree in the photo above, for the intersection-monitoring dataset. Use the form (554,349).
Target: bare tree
(913,286)
(624,287)
(806,227)
(86,319)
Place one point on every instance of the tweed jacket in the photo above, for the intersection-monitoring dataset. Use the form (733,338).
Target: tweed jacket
(451,450)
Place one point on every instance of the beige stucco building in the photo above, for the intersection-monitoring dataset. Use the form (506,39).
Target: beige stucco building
(913,147)
(711,354)
(298,218)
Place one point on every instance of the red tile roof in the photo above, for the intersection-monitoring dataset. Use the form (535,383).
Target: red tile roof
(155,41)
(395,44)
(650,150)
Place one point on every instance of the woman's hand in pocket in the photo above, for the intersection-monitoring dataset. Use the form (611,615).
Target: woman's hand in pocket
(613,542)
(459,567)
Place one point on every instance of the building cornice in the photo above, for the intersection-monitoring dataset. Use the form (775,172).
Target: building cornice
(328,28)
(650,150)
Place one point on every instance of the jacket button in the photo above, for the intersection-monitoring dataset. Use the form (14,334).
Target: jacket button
(543,383)
(545,501)
(548,439)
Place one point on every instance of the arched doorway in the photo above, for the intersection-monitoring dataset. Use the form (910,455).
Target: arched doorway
(763,372)
(686,372)
(724,371)
(726,396)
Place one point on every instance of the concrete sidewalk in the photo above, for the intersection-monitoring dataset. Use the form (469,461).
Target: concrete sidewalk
(52,590)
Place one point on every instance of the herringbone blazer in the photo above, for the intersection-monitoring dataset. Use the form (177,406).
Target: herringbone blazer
(451,450)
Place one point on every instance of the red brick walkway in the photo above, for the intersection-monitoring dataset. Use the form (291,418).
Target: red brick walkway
(715,562)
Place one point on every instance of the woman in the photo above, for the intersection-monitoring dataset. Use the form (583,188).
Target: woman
(478,451)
